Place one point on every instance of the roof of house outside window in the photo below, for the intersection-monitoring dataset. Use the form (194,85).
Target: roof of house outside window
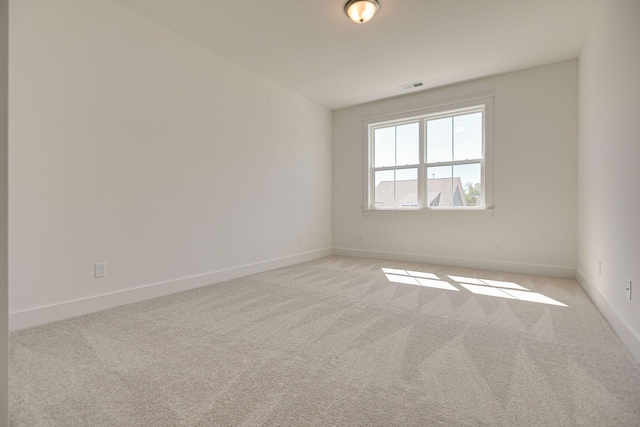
(440,192)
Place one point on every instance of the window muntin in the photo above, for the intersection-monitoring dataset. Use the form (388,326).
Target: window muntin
(435,160)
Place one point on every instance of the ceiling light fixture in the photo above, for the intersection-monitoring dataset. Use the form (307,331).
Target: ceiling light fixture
(361,11)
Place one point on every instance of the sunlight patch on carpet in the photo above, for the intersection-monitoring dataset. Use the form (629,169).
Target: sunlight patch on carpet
(509,290)
(417,278)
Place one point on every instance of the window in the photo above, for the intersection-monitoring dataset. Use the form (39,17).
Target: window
(431,159)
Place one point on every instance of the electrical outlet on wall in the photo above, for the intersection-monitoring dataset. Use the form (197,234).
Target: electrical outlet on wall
(629,289)
(101,269)
(359,238)
(299,241)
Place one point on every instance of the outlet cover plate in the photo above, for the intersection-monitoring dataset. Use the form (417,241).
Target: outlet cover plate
(101,269)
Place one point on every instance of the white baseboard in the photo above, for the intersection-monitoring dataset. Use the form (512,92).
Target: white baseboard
(52,313)
(478,264)
(629,337)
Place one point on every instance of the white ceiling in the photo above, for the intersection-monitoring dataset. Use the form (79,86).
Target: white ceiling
(312,48)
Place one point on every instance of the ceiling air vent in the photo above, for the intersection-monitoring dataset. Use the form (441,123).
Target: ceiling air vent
(412,85)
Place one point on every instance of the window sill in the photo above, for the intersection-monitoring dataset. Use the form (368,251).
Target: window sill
(439,212)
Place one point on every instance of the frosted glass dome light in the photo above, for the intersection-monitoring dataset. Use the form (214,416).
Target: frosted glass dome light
(361,11)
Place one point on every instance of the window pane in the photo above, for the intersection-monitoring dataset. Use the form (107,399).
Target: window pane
(439,172)
(467,136)
(407,188)
(440,186)
(407,137)
(385,191)
(439,140)
(384,153)
(470,177)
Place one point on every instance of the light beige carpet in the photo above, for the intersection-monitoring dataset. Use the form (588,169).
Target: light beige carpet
(336,341)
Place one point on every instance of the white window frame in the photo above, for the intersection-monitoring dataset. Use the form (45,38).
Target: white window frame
(483,103)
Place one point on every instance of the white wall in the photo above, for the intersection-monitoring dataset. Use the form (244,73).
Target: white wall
(132,145)
(534,181)
(609,152)
(4,289)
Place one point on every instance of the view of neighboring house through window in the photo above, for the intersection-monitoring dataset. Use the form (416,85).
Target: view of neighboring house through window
(432,160)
